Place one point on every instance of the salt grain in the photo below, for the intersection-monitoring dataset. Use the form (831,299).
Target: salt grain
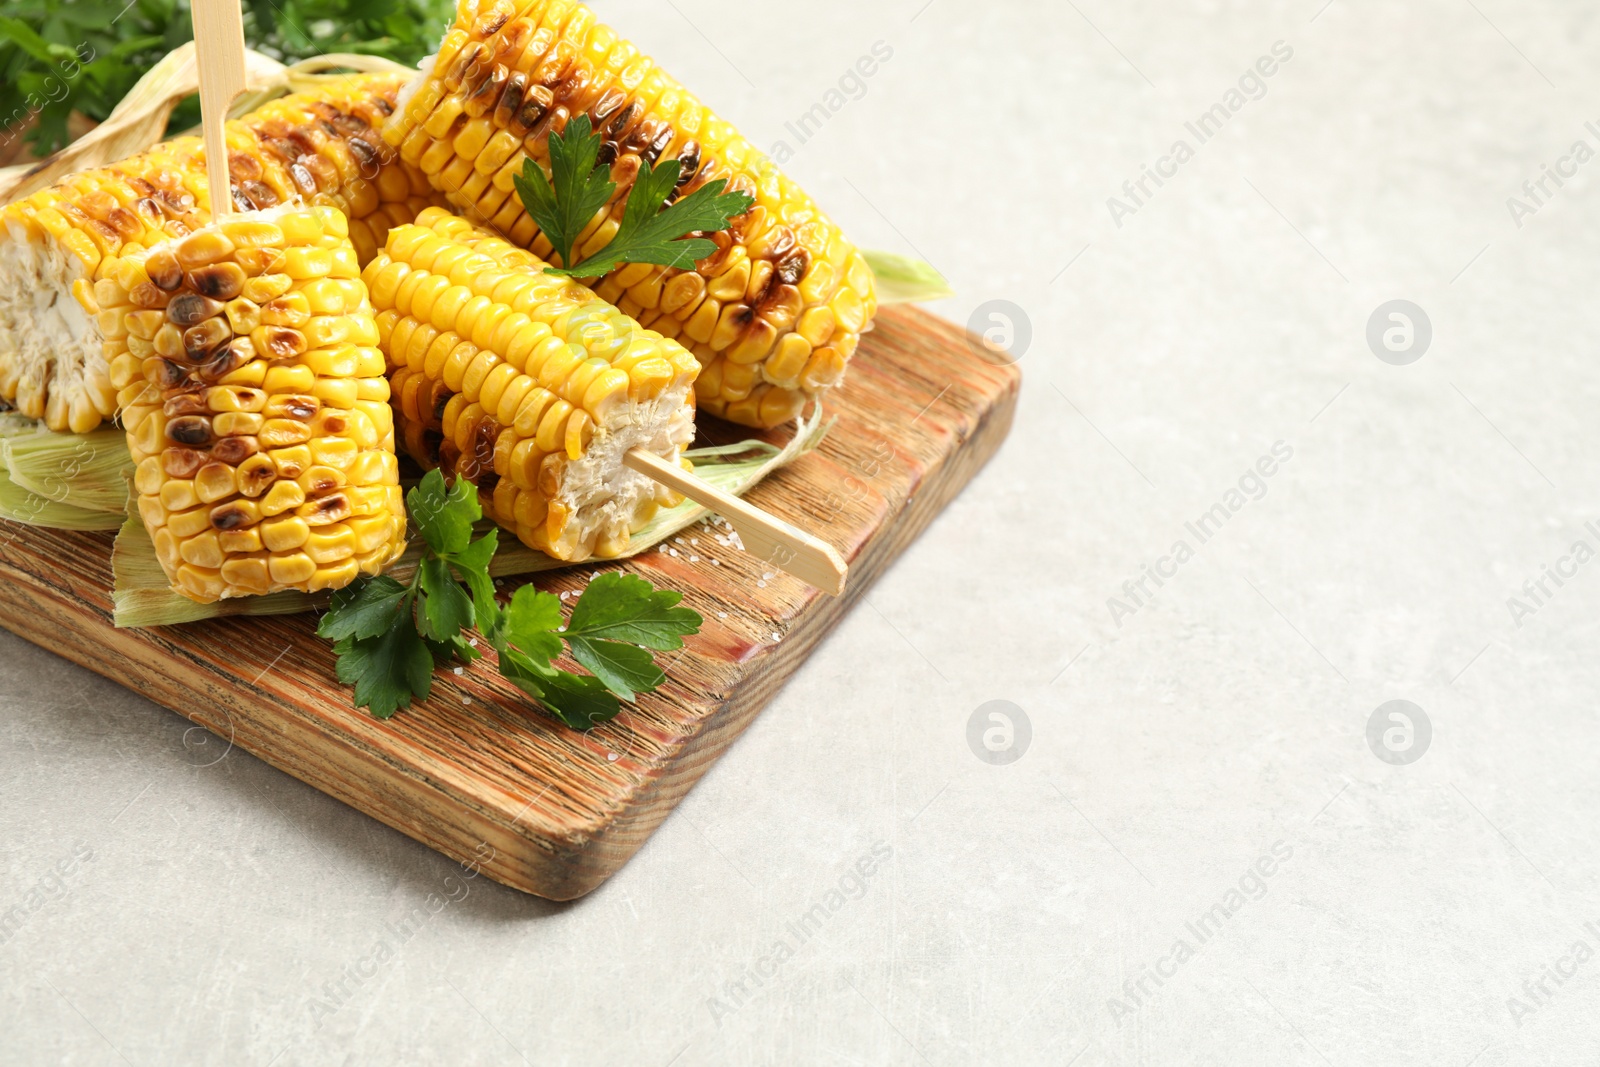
(694,559)
(722,614)
(456,670)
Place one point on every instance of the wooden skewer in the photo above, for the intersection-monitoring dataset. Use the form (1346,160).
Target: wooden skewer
(811,560)
(219,52)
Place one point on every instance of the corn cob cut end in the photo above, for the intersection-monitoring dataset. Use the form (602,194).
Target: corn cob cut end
(773,316)
(257,413)
(51,364)
(529,386)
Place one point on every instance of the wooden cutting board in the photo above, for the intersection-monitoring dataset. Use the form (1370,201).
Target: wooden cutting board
(478,774)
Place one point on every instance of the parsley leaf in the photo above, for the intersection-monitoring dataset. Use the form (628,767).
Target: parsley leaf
(579,185)
(625,607)
(387,670)
(531,622)
(457,648)
(580,701)
(444,515)
(364,609)
(473,563)
(444,608)
(623,668)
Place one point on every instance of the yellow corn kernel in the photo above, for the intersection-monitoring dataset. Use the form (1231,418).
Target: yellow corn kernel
(292,569)
(284,495)
(302,263)
(285,533)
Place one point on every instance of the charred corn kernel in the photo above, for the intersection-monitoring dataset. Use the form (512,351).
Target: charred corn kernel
(235,468)
(255,475)
(510,71)
(86,240)
(290,309)
(320,480)
(527,385)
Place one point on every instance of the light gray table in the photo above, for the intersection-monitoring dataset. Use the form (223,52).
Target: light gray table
(1032,911)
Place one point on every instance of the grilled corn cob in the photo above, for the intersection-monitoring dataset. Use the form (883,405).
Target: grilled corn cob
(255,405)
(320,147)
(773,316)
(527,385)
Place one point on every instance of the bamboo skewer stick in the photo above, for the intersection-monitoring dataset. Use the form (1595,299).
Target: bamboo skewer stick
(806,557)
(219,52)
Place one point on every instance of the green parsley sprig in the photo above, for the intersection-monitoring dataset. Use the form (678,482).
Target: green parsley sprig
(389,637)
(579,185)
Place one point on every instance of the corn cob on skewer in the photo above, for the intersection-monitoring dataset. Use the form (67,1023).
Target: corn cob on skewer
(320,147)
(255,404)
(527,385)
(773,316)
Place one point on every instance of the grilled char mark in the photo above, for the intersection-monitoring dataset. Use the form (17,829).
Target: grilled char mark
(478,466)
(491,21)
(182,462)
(535,107)
(486,93)
(369,157)
(508,108)
(234,450)
(432,447)
(658,144)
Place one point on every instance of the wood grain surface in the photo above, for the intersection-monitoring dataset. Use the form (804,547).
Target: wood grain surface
(477,773)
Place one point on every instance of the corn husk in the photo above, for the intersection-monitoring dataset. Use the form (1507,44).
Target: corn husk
(904,280)
(65,481)
(143,596)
